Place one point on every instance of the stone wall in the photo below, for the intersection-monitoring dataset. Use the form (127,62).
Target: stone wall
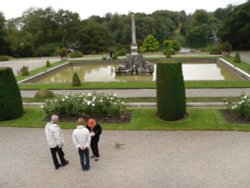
(240,73)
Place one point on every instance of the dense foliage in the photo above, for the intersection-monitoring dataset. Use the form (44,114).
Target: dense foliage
(11,106)
(171,98)
(43,32)
(236,27)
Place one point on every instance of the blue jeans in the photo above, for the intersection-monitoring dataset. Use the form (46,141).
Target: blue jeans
(84,158)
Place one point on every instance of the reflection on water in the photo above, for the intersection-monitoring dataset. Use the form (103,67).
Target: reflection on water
(106,73)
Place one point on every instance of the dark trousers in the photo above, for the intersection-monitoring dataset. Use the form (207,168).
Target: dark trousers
(94,147)
(60,153)
(84,158)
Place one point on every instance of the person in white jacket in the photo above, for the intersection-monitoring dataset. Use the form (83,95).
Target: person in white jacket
(81,138)
(55,141)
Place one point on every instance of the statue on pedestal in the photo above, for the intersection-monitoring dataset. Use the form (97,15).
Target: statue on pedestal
(135,63)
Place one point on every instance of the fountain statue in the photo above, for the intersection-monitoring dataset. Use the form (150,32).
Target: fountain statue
(134,63)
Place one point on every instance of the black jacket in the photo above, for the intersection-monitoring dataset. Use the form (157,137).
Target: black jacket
(97,130)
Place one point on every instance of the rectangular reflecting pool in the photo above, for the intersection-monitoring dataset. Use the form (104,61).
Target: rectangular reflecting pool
(106,73)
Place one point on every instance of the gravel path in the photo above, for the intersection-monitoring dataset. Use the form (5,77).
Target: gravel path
(149,159)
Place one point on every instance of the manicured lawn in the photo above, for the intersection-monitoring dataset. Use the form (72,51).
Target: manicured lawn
(143,119)
(138,85)
(242,65)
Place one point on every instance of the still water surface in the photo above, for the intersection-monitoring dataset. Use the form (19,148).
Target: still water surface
(105,73)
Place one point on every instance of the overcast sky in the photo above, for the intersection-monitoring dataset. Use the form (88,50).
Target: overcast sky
(87,8)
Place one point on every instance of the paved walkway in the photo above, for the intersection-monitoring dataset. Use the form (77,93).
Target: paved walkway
(149,159)
(32,63)
(127,93)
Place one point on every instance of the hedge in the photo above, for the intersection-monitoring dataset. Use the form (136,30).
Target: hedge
(171,98)
(10,97)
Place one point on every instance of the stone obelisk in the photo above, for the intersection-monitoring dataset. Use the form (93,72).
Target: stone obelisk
(134,49)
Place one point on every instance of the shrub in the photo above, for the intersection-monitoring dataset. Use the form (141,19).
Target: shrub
(214,51)
(76,80)
(48,64)
(172,44)
(4,58)
(241,108)
(24,71)
(90,104)
(237,58)
(168,52)
(44,93)
(11,106)
(64,54)
(171,99)
(226,48)
(75,54)
(115,56)
(121,52)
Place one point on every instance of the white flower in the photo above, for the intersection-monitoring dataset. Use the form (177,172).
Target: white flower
(63,99)
(93,104)
(66,96)
(114,95)
(88,102)
(101,100)
(245,97)
(42,106)
(89,94)
(123,102)
(55,100)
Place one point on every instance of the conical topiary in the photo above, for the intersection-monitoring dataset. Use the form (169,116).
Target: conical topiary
(171,97)
(11,106)
(237,58)
(76,80)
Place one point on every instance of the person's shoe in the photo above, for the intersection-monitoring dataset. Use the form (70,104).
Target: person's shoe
(64,164)
(97,159)
(92,156)
(57,167)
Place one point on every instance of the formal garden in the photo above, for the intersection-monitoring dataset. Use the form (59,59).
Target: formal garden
(76,46)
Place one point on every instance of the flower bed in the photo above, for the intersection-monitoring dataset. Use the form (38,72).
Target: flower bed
(106,108)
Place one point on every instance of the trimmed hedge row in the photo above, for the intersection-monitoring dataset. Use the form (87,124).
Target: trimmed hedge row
(11,106)
(171,97)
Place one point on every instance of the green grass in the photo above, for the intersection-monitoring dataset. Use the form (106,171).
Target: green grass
(242,65)
(143,119)
(136,85)
(39,70)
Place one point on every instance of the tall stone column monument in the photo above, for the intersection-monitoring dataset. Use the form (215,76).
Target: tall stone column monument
(134,48)
(134,63)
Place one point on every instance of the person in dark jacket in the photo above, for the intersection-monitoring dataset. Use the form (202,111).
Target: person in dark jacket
(95,130)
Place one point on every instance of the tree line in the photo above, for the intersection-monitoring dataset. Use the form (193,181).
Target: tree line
(43,32)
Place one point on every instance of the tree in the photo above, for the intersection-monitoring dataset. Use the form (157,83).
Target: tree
(236,27)
(150,44)
(69,25)
(4,46)
(94,38)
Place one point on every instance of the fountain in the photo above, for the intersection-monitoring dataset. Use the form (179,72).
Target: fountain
(134,63)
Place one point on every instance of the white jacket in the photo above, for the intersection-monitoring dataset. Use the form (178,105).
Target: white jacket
(81,137)
(54,135)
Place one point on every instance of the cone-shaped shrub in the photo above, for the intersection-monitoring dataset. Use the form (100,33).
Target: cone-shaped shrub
(76,80)
(237,58)
(48,64)
(171,98)
(11,106)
